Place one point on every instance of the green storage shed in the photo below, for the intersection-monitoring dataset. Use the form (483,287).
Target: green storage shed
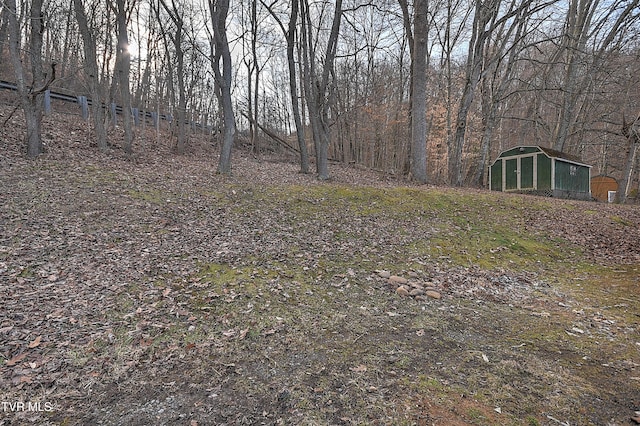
(540,171)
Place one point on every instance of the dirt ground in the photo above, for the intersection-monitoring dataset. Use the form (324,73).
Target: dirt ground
(150,290)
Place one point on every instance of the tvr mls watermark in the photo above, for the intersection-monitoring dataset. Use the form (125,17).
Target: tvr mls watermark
(30,406)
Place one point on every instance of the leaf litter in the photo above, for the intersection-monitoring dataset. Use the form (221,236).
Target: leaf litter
(154,291)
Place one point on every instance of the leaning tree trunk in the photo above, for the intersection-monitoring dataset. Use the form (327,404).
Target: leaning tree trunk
(475,62)
(489,109)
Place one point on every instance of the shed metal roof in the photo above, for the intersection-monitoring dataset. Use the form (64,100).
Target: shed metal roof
(551,153)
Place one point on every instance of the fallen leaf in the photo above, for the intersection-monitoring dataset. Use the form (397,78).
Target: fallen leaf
(17,380)
(56,313)
(145,342)
(35,343)
(359,369)
(16,359)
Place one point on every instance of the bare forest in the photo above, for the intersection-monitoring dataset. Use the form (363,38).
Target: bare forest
(429,90)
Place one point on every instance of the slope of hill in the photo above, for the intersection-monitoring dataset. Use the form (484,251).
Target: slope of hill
(150,290)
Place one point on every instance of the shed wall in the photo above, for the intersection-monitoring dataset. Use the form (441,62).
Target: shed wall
(571,177)
(544,172)
(601,185)
(496,176)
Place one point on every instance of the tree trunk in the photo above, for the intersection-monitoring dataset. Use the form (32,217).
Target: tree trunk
(123,67)
(256,65)
(30,97)
(176,37)
(632,132)
(91,71)
(317,86)
(577,25)
(494,88)
(475,62)
(219,10)
(181,113)
(4,25)
(489,112)
(419,91)
(400,147)
(293,89)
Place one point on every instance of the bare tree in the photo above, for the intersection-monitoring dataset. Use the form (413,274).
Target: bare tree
(290,35)
(31,96)
(587,24)
(631,132)
(123,69)
(419,92)
(176,34)
(91,71)
(220,52)
(502,52)
(485,13)
(317,82)
(252,63)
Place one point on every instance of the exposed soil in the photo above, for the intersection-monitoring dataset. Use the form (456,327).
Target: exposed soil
(150,290)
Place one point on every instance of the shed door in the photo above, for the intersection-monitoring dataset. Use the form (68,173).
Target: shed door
(526,173)
(511,174)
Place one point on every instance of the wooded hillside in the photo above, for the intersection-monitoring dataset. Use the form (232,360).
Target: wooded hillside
(335,79)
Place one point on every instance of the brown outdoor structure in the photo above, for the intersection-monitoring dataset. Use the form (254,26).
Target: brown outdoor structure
(601,185)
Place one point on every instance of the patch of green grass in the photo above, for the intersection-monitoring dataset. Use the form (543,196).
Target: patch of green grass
(532,421)
(151,196)
(621,221)
(457,228)
(492,245)
(429,384)
(312,201)
(27,272)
